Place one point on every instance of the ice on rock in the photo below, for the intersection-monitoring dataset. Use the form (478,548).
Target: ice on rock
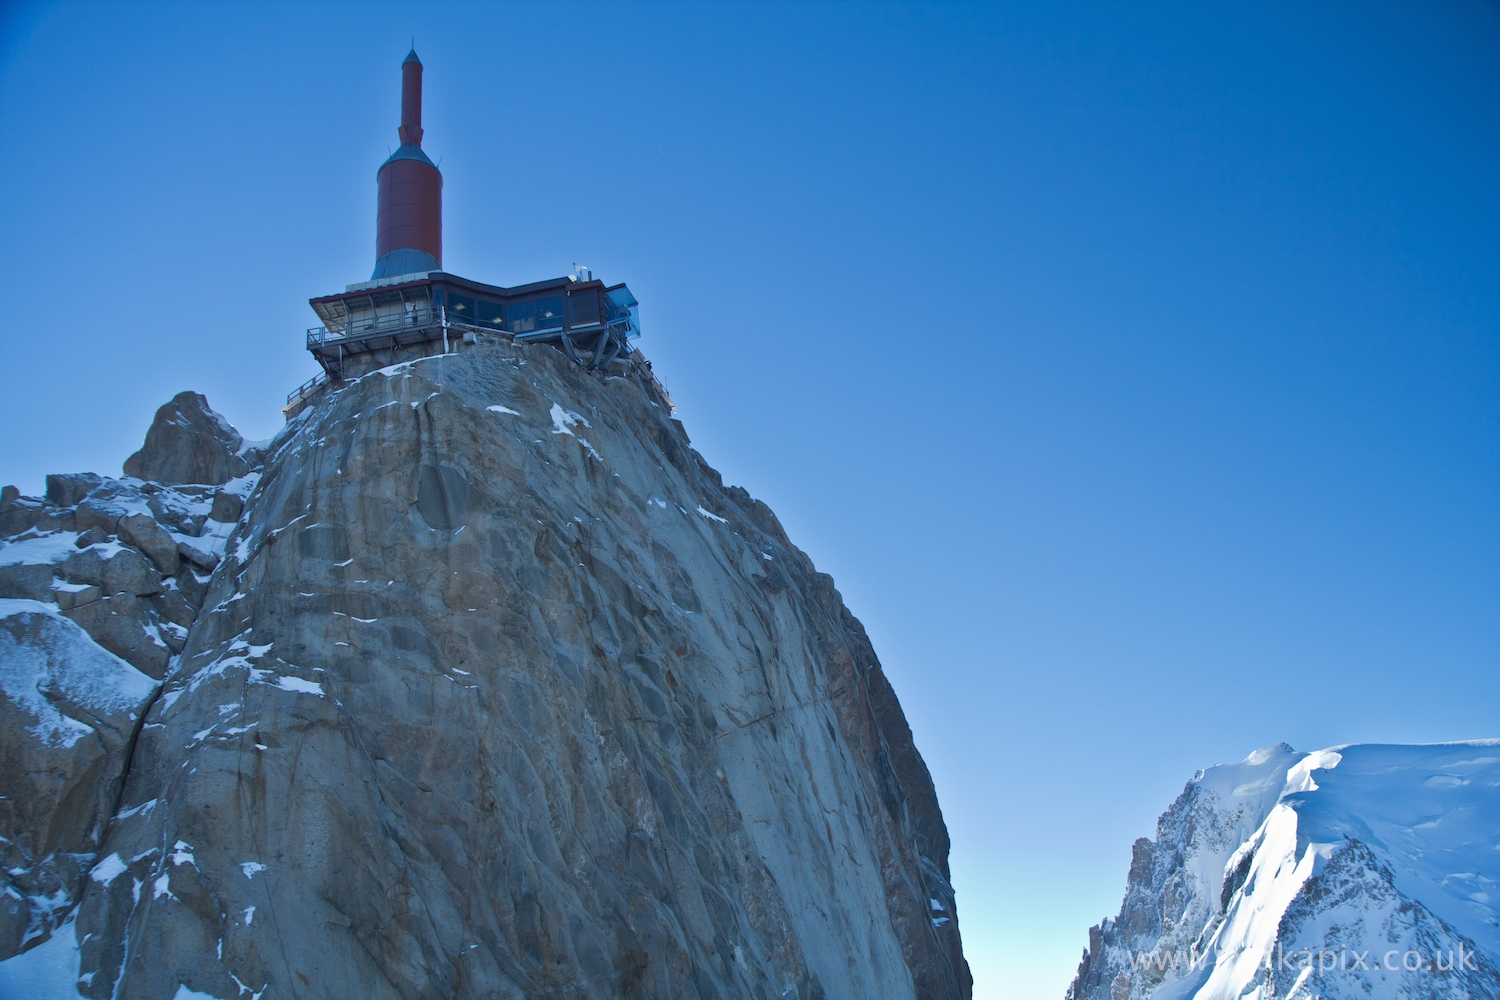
(49,971)
(108,870)
(46,661)
(297,684)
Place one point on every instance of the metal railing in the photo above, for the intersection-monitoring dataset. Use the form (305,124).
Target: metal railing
(306,388)
(375,326)
(619,329)
(379,326)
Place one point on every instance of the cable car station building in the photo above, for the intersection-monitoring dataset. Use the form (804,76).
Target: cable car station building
(412,307)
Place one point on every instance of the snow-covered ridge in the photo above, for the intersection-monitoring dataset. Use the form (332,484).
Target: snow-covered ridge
(1359,871)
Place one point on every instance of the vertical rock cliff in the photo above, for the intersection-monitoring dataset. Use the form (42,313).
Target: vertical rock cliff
(479,683)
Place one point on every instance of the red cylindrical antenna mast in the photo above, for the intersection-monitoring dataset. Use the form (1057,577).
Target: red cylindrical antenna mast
(409,220)
(411,100)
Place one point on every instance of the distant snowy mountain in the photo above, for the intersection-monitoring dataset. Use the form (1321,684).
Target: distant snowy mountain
(1363,871)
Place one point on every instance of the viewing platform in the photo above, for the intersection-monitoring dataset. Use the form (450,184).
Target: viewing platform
(592,322)
(368,324)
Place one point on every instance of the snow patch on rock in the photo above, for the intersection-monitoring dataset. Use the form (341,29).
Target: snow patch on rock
(54,660)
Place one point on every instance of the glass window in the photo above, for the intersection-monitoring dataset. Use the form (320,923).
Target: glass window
(583,308)
(460,307)
(621,308)
(549,313)
(490,314)
(523,317)
(534,315)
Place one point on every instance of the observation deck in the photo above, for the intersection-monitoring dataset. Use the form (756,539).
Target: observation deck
(592,322)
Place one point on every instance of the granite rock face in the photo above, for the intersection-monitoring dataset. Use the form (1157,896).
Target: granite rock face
(95,600)
(68,716)
(189,443)
(498,691)
(113,561)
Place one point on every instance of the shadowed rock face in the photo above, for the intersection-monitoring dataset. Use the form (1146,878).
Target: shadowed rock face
(68,714)
(190,443)
(498,692)
(100,582)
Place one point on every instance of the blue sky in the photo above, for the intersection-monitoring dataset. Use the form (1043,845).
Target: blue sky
(1135,370)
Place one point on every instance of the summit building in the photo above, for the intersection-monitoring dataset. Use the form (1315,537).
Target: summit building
(412,307)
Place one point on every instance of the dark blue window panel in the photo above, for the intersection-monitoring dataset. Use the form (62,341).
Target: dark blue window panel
(490,314)
(522,316)
(460,307)
(549,313)
(583,308)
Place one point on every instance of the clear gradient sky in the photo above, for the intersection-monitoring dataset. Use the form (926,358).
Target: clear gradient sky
(1135,370)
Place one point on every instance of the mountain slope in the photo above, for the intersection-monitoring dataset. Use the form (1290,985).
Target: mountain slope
(1360,871)
(499,692)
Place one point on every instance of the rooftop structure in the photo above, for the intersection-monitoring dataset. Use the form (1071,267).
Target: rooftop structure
(409,222)
(412,307)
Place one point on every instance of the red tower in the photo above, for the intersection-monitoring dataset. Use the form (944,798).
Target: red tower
(409,220)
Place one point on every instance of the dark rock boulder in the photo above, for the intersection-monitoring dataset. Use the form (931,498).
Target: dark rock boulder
(107,503)
(66,490)
(142,531)
(128,627)
(92,536)
(189,443)
(18,513)
(76,595)
(114,568)
(185,517)
(194,585)
(26,581)
(227,507)
(174,607)
(200,557)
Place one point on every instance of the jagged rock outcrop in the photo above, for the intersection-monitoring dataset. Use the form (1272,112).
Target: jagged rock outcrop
(95,598)
(68,712)
(189,443)
(1354,873)
(498,691)
(127,560)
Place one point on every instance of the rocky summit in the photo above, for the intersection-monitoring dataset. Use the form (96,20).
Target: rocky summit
(476,681)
